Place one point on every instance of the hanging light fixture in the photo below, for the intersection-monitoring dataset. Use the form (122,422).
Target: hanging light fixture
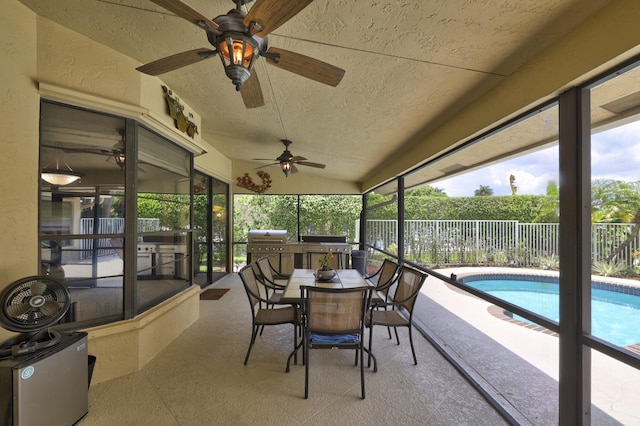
(237,54)
(286,167)
(58,176)
(237,47)
(119,157)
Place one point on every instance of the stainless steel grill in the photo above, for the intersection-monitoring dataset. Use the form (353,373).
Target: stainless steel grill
(272,243)
(286,255)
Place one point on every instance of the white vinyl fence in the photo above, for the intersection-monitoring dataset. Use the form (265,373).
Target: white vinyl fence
(496,242)
(108,225)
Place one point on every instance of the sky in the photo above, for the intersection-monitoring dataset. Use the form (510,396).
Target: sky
(615,154)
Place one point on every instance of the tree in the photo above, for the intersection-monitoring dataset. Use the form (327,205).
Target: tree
(616,201)
(426,191)
(513,185)
(318,214)
(550,206)
(483,191)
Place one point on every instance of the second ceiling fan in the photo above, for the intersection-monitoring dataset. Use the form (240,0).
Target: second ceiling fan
(239,39)
(288,162)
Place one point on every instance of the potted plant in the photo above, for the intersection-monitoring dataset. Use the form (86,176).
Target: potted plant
(325,273)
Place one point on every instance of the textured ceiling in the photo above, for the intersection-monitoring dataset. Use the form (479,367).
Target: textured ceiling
(409,66)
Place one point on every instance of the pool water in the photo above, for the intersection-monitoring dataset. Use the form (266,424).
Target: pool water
(615,316)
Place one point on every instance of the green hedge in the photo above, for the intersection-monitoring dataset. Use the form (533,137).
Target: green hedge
(525,208)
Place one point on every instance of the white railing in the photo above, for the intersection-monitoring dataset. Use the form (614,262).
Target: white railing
(109,225)
(496,242)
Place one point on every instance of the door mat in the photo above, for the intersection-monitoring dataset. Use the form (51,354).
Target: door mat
(213,293)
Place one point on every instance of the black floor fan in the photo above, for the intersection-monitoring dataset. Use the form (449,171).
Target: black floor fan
(44,373)
(30,306)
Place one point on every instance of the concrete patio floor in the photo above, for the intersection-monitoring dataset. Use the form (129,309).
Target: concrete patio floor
(199,379)
(516,364)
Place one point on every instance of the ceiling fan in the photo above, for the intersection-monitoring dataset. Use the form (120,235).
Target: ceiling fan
(239,39)
(288,162)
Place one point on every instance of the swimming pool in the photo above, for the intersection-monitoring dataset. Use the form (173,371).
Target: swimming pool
(615,309)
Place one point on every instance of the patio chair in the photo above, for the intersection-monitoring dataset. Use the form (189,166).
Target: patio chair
(313,257)
(334,319)
(265,312)
(383,280)
(273,280)
(408,286)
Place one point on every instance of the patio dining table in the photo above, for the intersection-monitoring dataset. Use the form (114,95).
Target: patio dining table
(345,278)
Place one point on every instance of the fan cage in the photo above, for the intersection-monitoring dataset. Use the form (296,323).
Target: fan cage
(33,303)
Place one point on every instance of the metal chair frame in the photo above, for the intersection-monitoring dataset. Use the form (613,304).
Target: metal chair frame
(261,312)
(408,284)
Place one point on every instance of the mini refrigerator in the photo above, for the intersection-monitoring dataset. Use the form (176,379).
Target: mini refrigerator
(47,387)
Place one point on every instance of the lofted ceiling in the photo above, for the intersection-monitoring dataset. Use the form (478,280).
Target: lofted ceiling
(409,66)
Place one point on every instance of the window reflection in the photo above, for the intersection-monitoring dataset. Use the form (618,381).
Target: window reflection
(164,208)
(72,216)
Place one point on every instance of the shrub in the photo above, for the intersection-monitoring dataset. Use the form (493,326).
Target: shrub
(550,262)
(608,269)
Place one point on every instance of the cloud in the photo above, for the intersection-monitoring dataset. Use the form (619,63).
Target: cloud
(532,172)
(615,154)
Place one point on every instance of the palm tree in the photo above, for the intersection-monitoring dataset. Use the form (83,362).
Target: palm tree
(616,201)
(483,191)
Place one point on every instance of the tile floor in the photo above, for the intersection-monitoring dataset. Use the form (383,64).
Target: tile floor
(199,379)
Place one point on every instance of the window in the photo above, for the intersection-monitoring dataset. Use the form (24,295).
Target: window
(86,226)
(82,224)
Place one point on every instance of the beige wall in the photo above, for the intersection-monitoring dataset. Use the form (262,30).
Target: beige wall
(39,57)
(19,110)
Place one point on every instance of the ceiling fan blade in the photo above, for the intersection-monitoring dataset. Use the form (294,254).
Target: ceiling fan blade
(297,158)
(306,67)
(251,91)
(310,164)
(176,61)
(186,12)
(294,169)
(267,165)
(270,14)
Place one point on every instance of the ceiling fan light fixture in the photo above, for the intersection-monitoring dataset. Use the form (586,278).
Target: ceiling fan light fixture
(286,167)
(120,158)
(238,54)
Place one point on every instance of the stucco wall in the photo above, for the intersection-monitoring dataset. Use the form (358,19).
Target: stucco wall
(19,115)
(40,57)
(19,112)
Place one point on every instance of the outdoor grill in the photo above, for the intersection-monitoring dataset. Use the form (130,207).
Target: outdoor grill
(286,255)
(272,243)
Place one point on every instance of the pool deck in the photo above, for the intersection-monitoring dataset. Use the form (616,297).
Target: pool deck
(519,365)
